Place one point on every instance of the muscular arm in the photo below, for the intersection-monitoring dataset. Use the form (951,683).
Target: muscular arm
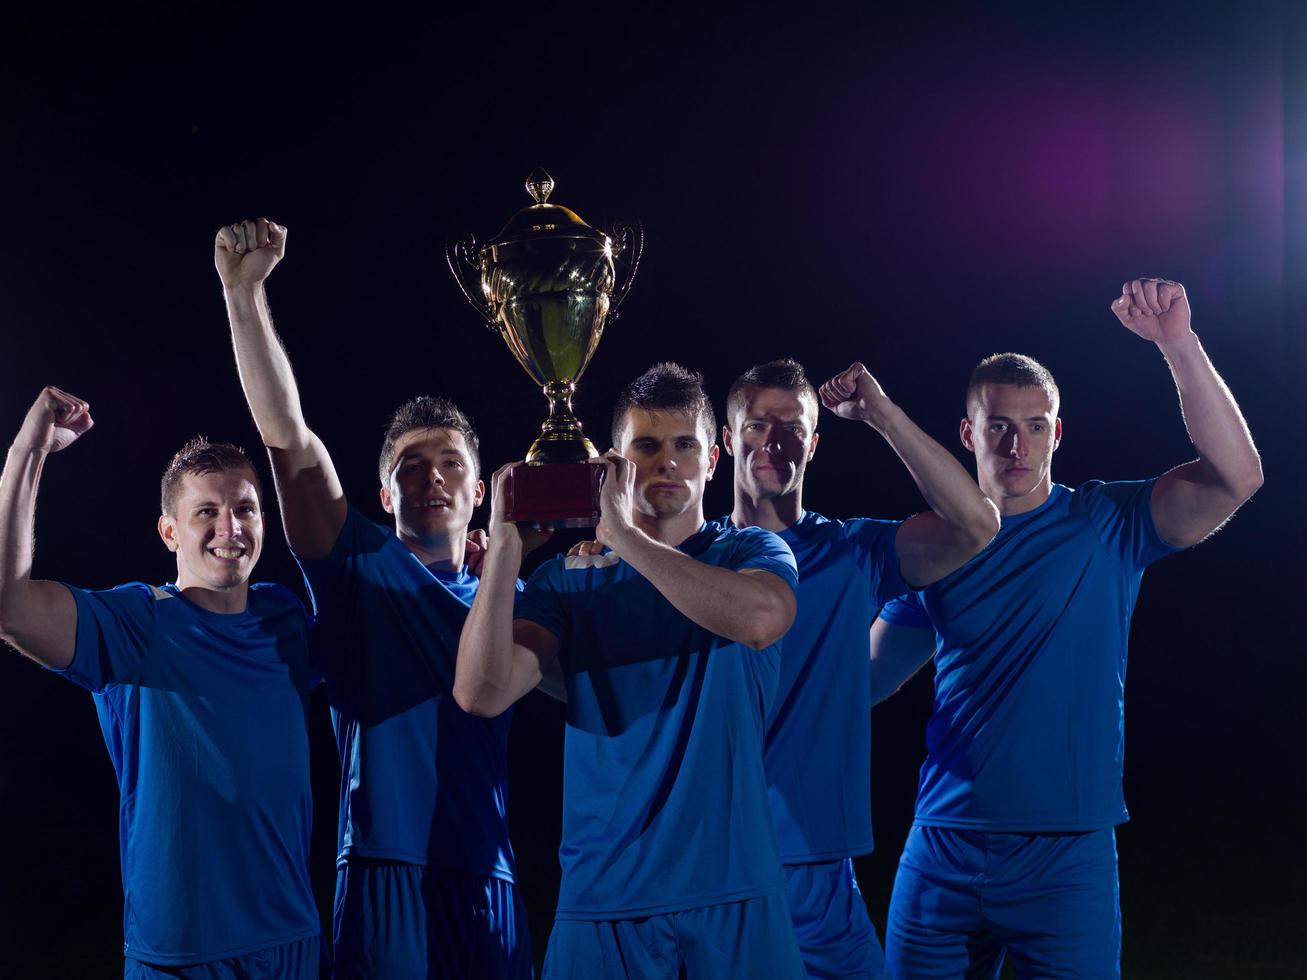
(312,501)
(961,521)
(897,652)
(749,606)
(500,659)
(38,618)
(1193,500)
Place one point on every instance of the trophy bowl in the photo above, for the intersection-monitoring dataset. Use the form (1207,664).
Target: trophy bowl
(547,284)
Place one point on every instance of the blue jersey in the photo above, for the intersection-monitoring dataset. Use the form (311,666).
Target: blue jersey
(1028,729)
(664,801)
(819,729)
(422,782)
(205,717)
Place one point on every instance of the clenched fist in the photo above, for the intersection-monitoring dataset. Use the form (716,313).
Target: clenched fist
(54,422)
(246,252)
(1155,309)
(854,394)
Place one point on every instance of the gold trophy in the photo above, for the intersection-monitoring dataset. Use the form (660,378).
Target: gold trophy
(547,284)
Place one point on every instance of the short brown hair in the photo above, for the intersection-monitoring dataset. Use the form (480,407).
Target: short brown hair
(666,387)
(427,412)
(200,456)
(1020,370)
(784,373)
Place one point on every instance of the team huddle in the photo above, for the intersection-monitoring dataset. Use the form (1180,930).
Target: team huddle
(718,674)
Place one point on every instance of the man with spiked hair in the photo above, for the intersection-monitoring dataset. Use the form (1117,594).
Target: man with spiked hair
(201,687)
(1012,851)
(819,726)
(668,646)
(425,871)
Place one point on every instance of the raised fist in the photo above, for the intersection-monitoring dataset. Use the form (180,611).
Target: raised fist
(853,393)
(1155,309)
(246,252)
(55,421)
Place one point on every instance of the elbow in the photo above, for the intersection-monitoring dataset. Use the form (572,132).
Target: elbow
(476,699)
(7,621)
(286,432)
(983,527)
(769,623)
(1253,478)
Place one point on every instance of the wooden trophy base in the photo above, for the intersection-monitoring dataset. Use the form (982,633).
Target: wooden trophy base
(554,494)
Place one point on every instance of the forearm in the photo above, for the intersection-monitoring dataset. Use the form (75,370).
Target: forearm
(897,653)
(265,370)
(489,676)
(38,618)
(18,488)
(1212,417)
(947,488)
(737,606)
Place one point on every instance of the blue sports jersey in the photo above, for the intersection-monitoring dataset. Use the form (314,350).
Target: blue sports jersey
(819,728)
(665,801)
(205,717)
(421,781)
(1028,728)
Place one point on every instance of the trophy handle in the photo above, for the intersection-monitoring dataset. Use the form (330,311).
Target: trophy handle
(626,238)
(462,266)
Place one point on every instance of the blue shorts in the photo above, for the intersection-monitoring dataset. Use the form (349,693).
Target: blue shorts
(752,939)
(304,959)
(835,934)
(963,899)
(398,921)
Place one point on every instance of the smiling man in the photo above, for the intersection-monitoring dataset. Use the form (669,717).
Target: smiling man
(425,871)
(819,726)
(667,644)
(1012,851)
(201,687)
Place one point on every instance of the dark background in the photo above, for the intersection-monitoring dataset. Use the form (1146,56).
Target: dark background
(914,191)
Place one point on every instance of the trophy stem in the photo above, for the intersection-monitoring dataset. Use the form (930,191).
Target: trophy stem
(561,439)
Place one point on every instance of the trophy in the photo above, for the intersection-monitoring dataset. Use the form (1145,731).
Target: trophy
(547,284)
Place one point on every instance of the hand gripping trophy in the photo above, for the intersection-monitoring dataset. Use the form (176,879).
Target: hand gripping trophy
(547,284)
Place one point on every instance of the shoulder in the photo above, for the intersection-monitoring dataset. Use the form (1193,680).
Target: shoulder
(359,534)
(129,594)
(1099,495)
(269,598)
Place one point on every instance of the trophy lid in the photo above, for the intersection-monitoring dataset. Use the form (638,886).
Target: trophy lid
(544,220)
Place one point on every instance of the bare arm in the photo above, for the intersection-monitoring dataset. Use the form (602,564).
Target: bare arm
(749,606)
(897,652)
(38,618)
(500,659)
(1193,500)
(313,503)
(961,521)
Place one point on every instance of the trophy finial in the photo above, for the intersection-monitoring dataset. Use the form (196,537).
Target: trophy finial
(540,185)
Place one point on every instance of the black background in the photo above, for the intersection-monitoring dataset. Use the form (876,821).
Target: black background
(913,191)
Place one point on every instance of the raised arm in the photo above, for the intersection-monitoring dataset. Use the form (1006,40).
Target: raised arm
(750,606)
(313,504)
(961,520)
(897,652)
(1194,499)
(38,618)
(500,659)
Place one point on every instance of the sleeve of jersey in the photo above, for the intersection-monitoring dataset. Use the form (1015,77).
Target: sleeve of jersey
(542,600)
(875,541)
(1122,514)
(760,548)
(323,575)
(114,630)
(907,610)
